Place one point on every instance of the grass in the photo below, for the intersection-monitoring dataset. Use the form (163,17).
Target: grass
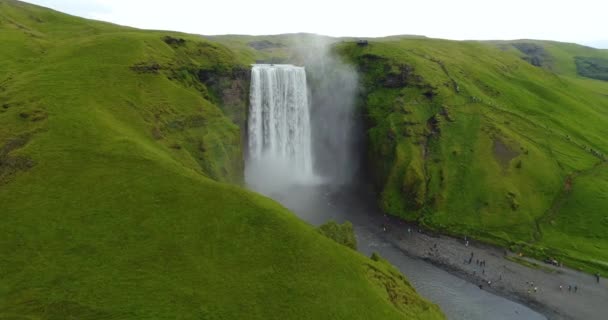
(433,134)
(343,234)
(115,163)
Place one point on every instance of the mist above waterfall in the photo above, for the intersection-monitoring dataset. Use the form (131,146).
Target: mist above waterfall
(335,122)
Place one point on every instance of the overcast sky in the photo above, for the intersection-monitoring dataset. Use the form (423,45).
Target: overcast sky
(581,21)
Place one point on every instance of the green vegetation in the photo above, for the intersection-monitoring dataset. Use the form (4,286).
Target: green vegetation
(397,289)
(500,141)
(115,148)
(595,68)
(343,234)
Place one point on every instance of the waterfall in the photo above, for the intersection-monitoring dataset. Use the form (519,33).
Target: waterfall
(279,135)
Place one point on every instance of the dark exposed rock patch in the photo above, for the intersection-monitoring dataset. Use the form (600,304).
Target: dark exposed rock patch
(446,114)
(230,90)
(10,164)
(14,144)
(174,42)
(534,54)
(33,115)
(147,67)
(430,94)
(393,76)
(215,76)
(595,68)
(503,153)
(433,125)
(401,78)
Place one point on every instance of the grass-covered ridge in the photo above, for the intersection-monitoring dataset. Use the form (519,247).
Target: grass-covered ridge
(503,141)
(115,146)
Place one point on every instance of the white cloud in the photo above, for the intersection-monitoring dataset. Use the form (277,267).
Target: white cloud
(582,21)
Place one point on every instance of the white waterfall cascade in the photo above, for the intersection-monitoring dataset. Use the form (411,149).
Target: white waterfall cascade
(279,135)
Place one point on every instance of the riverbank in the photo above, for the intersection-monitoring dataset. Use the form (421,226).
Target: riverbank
(507,279)
(494,269)
(458,298)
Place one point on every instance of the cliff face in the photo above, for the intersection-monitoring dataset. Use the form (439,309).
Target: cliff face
(485,139)
(215,73)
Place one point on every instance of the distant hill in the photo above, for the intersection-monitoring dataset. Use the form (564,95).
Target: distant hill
(120,165)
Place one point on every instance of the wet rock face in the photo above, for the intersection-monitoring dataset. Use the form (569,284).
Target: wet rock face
(231,90)
(234,92)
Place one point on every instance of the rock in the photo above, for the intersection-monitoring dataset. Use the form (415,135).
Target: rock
(174,42)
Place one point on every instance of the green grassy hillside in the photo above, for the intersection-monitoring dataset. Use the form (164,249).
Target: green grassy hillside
(115,148)
(503,141)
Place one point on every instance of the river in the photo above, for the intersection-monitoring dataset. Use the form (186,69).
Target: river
(457,298)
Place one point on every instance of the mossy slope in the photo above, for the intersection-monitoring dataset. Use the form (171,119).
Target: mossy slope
(115,144)
(503,141)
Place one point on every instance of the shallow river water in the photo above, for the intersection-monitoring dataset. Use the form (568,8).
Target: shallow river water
(457,298)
